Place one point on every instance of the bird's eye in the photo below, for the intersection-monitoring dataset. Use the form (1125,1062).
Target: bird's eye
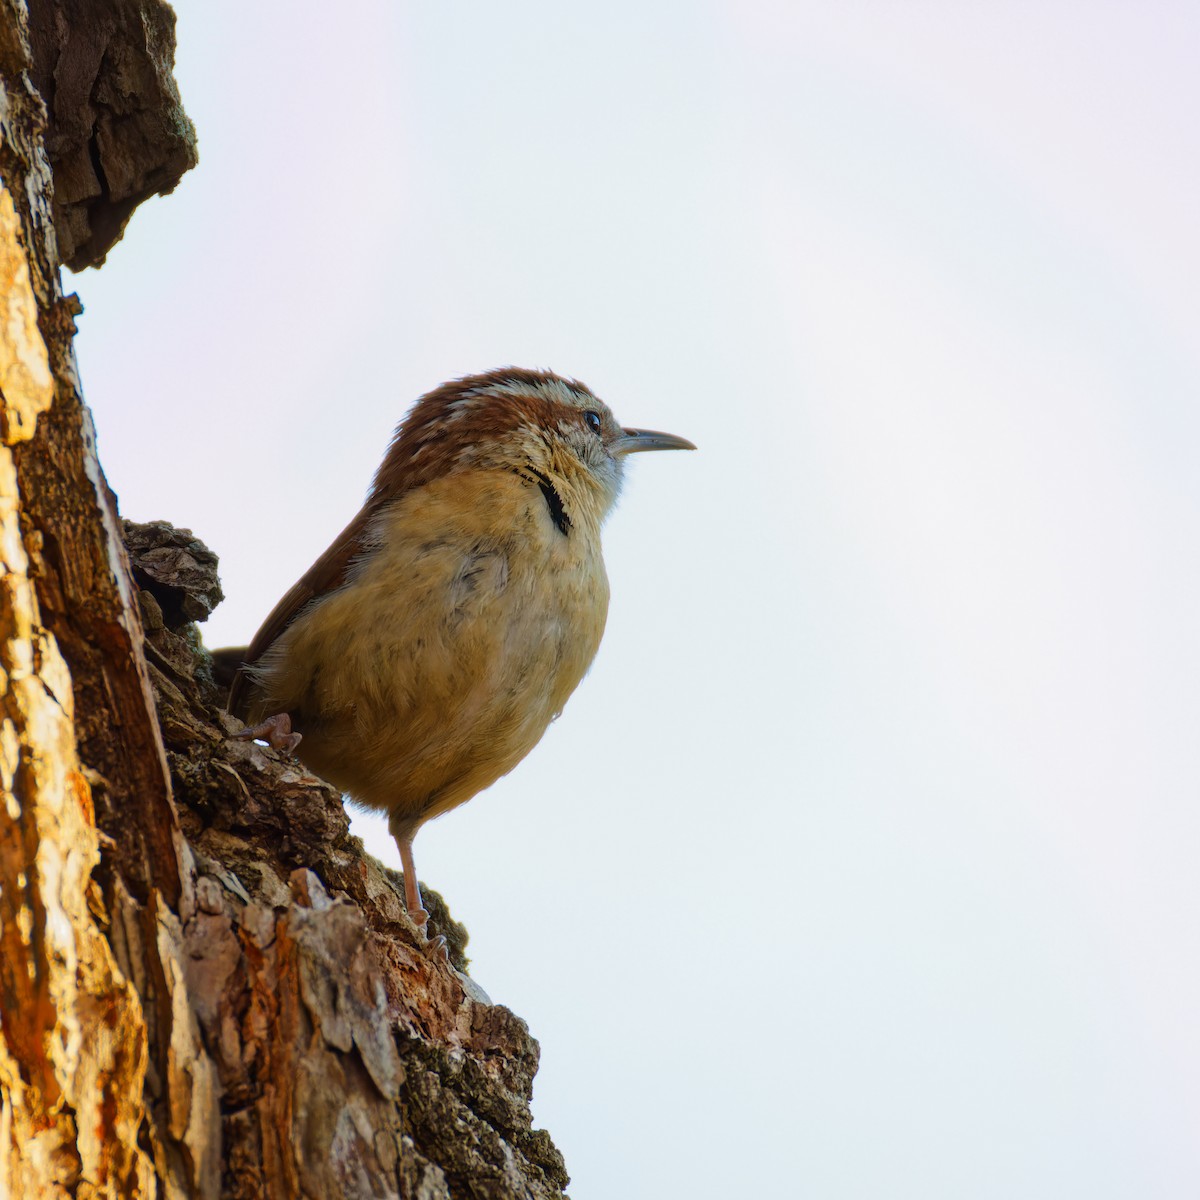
(592,420)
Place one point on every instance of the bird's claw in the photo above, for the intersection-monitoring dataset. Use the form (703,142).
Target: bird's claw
(435,947)
(276,731)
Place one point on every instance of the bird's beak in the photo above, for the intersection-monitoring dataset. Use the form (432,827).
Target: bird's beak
(647,439)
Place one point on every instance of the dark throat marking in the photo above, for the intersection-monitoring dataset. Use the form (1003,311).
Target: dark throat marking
(558,511)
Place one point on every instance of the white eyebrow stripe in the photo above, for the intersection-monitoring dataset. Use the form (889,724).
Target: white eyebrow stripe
(549,389)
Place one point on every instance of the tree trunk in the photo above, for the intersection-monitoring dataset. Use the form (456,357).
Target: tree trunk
(206,988)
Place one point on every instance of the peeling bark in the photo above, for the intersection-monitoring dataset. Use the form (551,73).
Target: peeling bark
(207,989)
(73,1052)
(76,1116)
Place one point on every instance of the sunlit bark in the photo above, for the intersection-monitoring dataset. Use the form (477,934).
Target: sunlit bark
(206,988)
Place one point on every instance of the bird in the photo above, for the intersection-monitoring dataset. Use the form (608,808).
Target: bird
(426,652)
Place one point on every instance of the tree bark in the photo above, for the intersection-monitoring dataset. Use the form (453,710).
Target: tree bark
(207,989)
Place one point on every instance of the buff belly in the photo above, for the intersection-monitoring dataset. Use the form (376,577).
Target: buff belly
(499,623)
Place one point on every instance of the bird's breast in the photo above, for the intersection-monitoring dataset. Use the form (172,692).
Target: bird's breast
(455,642)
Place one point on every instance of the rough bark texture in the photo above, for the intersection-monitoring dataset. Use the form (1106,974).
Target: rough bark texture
(206,988)
(73,1050)
(350,1062)
(118,133)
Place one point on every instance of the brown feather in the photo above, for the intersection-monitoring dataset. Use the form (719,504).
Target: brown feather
(425,446)
(326,574)
(429,440)
(426,652)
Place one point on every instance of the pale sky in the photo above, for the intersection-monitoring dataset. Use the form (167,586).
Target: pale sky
(864,862)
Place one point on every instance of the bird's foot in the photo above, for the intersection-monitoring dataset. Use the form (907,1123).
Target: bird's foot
(435,947)
(276,731)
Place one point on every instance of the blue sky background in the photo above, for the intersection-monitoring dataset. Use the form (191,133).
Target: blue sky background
(863,864)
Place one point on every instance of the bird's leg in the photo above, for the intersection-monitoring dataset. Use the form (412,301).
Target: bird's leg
(412,897)
(276,731)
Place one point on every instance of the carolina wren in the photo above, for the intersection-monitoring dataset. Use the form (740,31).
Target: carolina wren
(424,654)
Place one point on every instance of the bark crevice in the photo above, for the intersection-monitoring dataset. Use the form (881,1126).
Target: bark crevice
(207,989)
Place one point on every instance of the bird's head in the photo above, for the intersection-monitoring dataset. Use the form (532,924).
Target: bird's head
(555,430)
